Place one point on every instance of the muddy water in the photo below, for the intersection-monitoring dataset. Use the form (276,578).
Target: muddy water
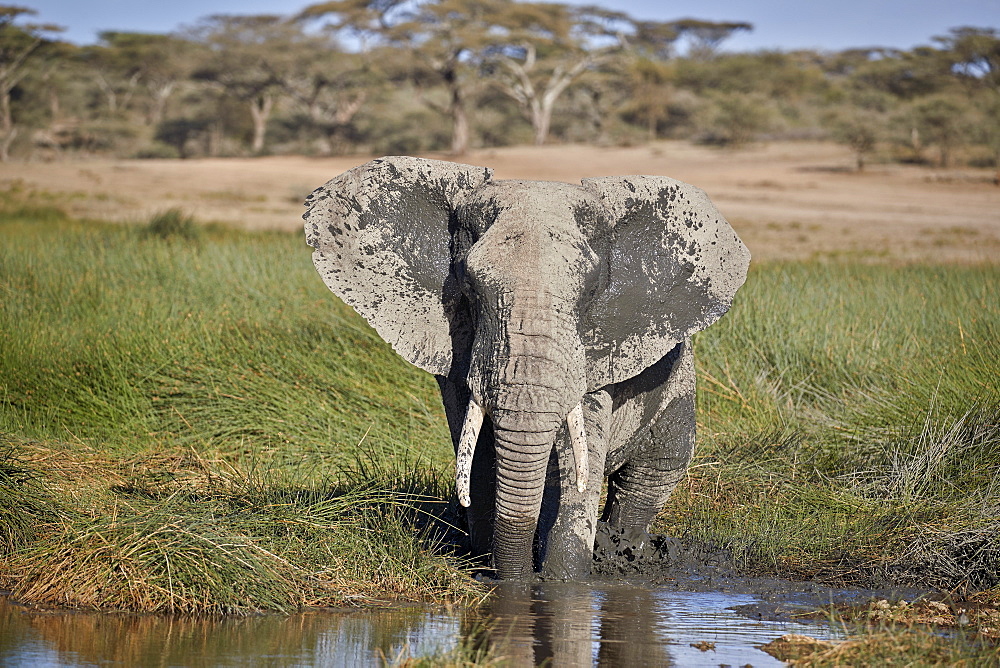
(570,625)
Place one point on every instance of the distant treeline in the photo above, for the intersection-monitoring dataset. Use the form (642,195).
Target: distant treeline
(395,76)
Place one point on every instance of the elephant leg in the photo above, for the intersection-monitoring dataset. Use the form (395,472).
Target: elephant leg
(479,515)
(568,520)
(639,489)
(659,450)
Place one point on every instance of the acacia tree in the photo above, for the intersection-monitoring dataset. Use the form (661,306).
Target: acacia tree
(446,36)
(156,64)
(650,82)
(943,122)
(706,36)
(540,49)
(330,85)
(111,71)
(858,129)
(18,43)
(246,56)
(975,53)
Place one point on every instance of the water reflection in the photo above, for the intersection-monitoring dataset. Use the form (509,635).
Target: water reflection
(562,624)
(575,625)
(349,638)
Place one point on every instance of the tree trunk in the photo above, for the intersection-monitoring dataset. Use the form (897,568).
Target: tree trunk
(260,110)
(556,86)
(214,138)
(459,117)
(160,95)
(7,130)
(541,121)
(109,93)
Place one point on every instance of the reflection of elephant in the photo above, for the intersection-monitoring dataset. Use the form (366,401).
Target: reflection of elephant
(560,623)
(557,319)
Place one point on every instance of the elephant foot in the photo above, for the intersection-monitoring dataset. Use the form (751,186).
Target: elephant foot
(567,560)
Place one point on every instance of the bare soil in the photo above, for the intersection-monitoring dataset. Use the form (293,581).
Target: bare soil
(786,200)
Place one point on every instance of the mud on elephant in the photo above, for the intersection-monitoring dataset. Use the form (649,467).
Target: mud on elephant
(557,319)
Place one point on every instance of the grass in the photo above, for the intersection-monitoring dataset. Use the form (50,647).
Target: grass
(187,534)
(211,415)
(193,423)
(887,645)
(850,426)
(24,503)
(113,336)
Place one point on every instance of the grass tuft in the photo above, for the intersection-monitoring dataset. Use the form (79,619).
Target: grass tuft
(173,224)
(904,648)
(156,561)
(189,534)
(25,506)
(960,561)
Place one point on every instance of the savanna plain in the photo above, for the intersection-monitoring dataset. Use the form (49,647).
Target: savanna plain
(191,423)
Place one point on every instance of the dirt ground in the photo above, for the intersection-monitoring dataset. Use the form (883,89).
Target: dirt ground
(786,200)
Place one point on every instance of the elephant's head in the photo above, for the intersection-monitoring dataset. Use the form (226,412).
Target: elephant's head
(530,293)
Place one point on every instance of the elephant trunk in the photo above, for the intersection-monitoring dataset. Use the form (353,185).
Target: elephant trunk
(522,459)
(474,416)
(529,398)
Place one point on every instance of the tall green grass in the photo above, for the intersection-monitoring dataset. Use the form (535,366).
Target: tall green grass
(112,336)
(850,420)
(224,350)
(206,394)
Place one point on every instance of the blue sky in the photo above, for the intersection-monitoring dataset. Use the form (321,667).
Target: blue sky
(780,24)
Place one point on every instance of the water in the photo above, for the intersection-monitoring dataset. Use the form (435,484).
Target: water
(571,625)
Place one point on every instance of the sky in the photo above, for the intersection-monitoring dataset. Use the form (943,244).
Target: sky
(778,24)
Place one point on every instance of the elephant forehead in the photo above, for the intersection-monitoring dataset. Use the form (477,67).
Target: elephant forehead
(534,204)
(514,253)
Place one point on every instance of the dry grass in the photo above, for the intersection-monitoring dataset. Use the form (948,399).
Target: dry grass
(183,533)
(788,200)
(903,648)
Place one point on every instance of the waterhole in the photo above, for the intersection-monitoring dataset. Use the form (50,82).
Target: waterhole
(566,624)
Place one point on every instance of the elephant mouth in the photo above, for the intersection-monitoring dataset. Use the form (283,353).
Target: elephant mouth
(474,417)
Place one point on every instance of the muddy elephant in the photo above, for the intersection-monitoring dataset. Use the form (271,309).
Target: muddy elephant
(557,319)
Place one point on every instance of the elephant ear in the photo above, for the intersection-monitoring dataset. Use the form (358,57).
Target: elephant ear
(382,240)
(674,265)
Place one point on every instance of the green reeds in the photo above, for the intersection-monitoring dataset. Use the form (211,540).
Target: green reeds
(155,561)
(850,425)
(25,506)
(215,396)
(215,539)
(106,336)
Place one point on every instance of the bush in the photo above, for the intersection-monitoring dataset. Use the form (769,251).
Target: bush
(173,223)
(158,151)
(735,120)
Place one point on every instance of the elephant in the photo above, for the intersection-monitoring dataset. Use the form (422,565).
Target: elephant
(557,319)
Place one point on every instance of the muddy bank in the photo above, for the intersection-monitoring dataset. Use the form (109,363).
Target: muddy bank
(662,562)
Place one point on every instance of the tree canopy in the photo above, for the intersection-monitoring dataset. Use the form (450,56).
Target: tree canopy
(398,76)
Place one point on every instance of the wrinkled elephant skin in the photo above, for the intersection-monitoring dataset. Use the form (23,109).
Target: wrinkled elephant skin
(557,319)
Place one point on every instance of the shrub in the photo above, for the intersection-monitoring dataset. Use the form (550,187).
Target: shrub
(173,223)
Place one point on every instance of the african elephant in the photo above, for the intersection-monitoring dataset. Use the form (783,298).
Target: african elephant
(557,319)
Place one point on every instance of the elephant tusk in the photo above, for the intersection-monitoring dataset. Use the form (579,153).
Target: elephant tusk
(578,437)
(466,448)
